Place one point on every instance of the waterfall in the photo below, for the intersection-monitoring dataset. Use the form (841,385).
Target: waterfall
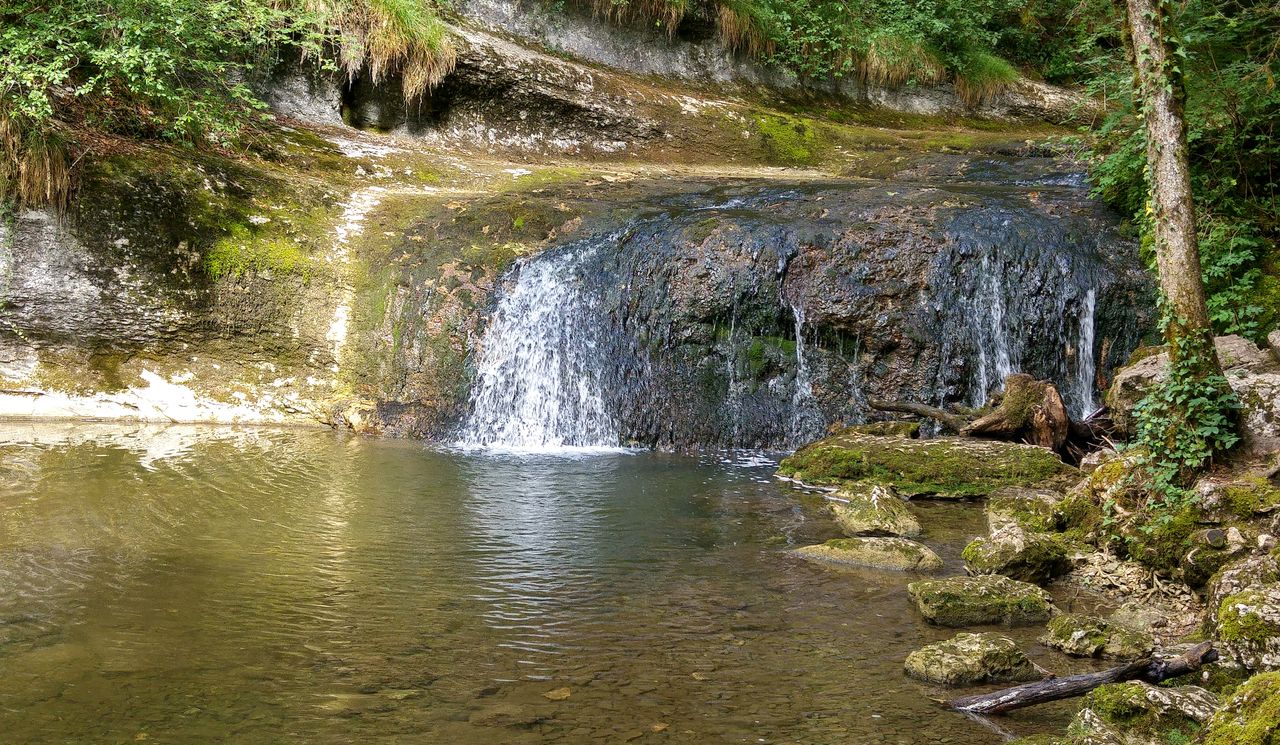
(996,352)
(1086,365)
(540,376)
(806,420)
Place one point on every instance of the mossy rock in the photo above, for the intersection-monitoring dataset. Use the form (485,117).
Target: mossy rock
(1248,627)
(1013,552)
(872,509)
(1250,571)
(898,554)
(1251,717)
(977,601)
(967,659)
(1029,508)
(945,467)
(1088,636)
(1147,713)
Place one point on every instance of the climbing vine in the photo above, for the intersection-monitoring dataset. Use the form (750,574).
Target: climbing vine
(1185,421)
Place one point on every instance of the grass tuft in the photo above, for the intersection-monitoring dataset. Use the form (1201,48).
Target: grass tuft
(35,164)
(982,77)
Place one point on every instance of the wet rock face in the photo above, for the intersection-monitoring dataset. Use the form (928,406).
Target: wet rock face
(757,316)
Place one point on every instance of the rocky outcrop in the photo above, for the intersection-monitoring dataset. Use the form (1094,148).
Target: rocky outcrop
(968,659)
(1253,373)
(898,554)
(693,54)
(947,467)
(975,601)
(872,509)
(1087,636)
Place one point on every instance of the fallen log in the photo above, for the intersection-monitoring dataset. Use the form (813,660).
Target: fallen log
(949,421)
(1151,670)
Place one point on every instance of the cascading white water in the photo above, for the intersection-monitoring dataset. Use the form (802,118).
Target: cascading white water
(1086,366)
(539,380)
(806,420)
(996,353)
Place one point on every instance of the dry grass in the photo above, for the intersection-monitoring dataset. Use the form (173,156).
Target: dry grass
(893,61)
(35,165)
(389,37)
(742,30)
(666,14)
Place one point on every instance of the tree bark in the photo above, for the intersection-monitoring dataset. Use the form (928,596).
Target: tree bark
(1031,411)
(1151,670)
(1159,90)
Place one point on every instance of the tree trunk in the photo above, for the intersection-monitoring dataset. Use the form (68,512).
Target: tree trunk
(1031,411)
(1159,90)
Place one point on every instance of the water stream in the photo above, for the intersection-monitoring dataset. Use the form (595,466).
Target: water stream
(183,585)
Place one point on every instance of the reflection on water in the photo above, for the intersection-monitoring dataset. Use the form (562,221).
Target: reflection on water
(252,586)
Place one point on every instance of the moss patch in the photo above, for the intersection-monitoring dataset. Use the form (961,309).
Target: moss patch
(1252,717)
(955,467)
(975,601)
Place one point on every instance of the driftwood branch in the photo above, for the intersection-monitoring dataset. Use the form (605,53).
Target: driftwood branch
(1150,669)
(948,420)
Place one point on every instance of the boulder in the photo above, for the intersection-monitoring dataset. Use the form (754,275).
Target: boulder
(1251,717)
(1253,374)
(975,601)
(944,466)
(1020,554)
(967,659)
(873,509)
(1253,570)
(1136,713)
(898,554)
(1273,343)
(1248,627)
(1030,509)
(1088,636)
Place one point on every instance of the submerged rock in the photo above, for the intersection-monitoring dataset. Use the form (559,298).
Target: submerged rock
(976,601)
(1087,636)
(967,659)
(1251,717)
(1017,553)
(944,467)
(1248,627)
(898,554)
(871,509)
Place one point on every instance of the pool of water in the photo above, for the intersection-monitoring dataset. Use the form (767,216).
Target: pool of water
(248,586)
